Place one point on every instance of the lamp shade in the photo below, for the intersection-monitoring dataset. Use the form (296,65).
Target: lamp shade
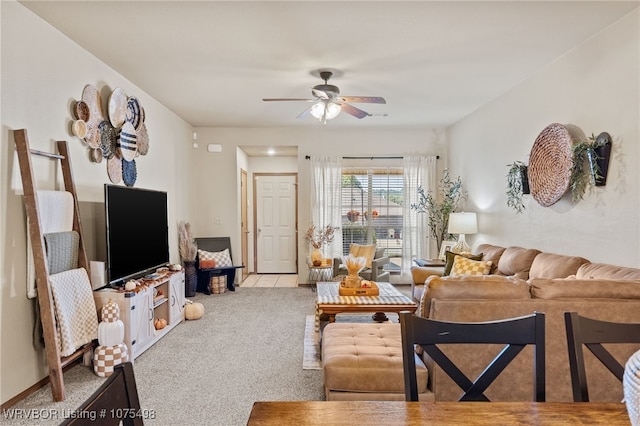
(463,223)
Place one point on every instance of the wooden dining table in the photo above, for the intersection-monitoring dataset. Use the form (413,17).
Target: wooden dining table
(397,413)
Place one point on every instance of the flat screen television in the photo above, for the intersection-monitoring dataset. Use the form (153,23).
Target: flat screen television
(137,232)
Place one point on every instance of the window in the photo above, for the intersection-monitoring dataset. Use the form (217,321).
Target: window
(372,204)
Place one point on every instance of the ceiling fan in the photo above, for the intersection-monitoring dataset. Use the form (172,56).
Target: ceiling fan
(328,103)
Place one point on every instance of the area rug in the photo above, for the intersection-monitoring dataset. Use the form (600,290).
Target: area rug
(311,358)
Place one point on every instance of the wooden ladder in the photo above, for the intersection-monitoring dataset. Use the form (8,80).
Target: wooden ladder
(55,362)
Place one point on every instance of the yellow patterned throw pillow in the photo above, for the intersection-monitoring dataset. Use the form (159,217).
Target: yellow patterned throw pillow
(464,266)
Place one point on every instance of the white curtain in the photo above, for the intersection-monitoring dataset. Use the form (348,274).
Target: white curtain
(418,171)
(326,198)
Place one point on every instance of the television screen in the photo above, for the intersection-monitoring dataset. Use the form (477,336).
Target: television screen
(137,232)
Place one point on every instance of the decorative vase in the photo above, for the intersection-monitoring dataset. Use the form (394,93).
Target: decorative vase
(352,281)
(631,386)
(190,279)
(316,257)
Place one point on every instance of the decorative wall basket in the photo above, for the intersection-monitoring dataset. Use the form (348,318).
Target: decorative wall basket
(550,165)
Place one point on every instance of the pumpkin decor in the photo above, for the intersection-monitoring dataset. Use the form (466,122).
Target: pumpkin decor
(160,323)
(112,351)
(193,311)
(130,285)
(111,329)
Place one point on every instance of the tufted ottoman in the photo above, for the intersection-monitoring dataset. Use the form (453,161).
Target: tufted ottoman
(364,362)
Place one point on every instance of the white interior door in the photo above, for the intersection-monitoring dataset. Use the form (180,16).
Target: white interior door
(275,223)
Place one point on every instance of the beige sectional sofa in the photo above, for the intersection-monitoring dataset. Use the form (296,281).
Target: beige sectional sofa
(364,361)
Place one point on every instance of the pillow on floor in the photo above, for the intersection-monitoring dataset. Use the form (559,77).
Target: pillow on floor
(450,257)
(218,259)
(463,266)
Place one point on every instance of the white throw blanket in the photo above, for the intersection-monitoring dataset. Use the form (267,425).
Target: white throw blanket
(75,309)
(55,209)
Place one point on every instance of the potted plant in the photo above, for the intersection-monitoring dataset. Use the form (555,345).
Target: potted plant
(587,169)
(439,206)
(517,185)
(318,238)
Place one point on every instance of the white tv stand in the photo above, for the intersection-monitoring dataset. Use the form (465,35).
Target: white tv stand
(139,309)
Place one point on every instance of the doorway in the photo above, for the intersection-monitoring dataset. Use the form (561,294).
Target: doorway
(275,224)
(244,227)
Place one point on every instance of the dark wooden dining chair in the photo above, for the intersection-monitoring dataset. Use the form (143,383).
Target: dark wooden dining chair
(593,333)
(115,400)
(514,333)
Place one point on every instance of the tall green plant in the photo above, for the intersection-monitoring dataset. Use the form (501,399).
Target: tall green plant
(438,206)
(585,170)
(515,186)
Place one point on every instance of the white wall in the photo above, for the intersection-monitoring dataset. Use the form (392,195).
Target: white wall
(219,173)
(43,74)
(595,87)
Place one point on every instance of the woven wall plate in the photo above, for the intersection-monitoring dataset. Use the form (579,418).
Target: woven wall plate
(143,140)
(114,169)
(550,165)
(91,97)
(79,128)
(129,172)
(117,107)
(133,112)
(108,139)
(81,111)
(95,155)
(127,143)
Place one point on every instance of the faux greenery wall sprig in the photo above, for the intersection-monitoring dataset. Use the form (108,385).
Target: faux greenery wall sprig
(515,186)
(585,170)
(438,207)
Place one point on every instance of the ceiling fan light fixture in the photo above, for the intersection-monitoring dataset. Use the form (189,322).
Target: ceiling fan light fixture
(325,109)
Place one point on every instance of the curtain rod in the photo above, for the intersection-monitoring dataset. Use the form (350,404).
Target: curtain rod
(307,157)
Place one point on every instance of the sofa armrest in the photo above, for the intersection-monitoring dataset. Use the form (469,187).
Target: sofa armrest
(419,275)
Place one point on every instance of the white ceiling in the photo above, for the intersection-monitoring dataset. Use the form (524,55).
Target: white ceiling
(212,62)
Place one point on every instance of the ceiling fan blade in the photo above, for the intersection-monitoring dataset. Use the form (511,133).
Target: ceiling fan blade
(364,99)
(288,99)
(305,113)
(356,112)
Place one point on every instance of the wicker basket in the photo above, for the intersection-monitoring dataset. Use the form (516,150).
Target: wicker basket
(218,284)
(550,165)
(362,291)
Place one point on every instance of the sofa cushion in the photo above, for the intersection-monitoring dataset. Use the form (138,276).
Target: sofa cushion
(607,272)
(450,257)
(516,261)
(471,287)
(359,357)
(464,266)
(492,253)
(549,265)
(584,289)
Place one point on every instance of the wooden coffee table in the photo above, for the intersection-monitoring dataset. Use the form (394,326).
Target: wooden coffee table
(331,303)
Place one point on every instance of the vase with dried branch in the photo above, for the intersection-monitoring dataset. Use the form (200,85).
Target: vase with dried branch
(318,238)
(188,250)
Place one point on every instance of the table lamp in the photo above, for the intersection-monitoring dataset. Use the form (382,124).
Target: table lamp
(461,224)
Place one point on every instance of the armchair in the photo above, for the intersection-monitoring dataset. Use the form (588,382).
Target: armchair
(375,272)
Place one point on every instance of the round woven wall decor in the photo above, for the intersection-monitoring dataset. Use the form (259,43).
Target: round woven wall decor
(550,165)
